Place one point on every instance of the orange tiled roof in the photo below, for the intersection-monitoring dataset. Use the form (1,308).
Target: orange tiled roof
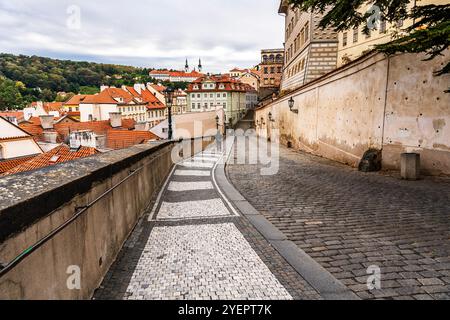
(34,127)
(12,163)
(53,106)
(120,139)
(151,100)
(76,100)
(177,74)
(229,84)
(58,155)
(159,88)
(15,114)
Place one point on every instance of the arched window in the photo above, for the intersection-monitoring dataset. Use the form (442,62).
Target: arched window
(272,58)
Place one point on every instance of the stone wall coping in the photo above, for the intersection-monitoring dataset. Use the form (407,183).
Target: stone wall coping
(27,197)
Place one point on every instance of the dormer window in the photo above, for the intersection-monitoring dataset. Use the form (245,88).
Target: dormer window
(195,87)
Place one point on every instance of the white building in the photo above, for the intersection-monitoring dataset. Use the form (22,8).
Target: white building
(15,142)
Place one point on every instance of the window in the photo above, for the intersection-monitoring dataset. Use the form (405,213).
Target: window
(224,95)
(193,106)
(344,39)
(272,70)
(266,70)
(198,95)
(280,69)
(302,37)
(307,31)
(355,35)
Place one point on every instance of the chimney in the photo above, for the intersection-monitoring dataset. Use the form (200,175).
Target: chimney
(46,122)
(141,126)
(138,87)
(103,88)
(115,119)
(50,136)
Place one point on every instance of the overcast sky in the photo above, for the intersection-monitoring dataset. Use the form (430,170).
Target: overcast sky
(146,33)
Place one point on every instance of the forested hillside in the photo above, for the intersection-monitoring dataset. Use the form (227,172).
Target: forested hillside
(24,79)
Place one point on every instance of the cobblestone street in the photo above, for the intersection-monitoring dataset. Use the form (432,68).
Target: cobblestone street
(195,245)
(348,221)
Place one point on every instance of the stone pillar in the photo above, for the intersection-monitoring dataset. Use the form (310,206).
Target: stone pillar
(410,166)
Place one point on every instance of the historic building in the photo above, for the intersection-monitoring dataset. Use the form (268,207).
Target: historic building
(16,145)
(354,43)
(178,76)
(310,51)
(211,93)
(271,68)
(136,103)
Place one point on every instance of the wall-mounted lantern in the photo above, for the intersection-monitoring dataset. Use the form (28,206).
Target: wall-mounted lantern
(291,105)
(271,119)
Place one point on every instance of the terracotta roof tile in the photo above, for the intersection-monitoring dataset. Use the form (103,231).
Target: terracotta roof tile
(58,155)
(120,139)
(12,163)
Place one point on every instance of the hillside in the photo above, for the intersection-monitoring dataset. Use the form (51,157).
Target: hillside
(24,79)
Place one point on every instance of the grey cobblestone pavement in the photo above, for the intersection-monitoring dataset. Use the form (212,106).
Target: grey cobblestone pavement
(348,221)
(194,246)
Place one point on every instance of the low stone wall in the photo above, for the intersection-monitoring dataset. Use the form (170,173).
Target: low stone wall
(34,204)
(391,104)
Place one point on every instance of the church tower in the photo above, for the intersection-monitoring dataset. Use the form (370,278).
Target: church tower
(200,67)
(186,67)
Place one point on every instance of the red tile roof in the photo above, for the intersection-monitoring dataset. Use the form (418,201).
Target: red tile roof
(12,114)
(177,74)
(64,129)
(58,155)
(76,100)
(229,84)
(12,163)
(159,88)
(120,139)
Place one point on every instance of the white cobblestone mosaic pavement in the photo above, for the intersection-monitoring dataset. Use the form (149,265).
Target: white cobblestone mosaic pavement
(192,255)
(202,262)
(193,209)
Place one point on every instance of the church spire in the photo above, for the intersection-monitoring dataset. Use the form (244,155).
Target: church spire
(186,67)
(200,67)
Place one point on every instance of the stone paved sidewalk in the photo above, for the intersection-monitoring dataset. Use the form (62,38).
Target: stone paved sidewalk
(348,221)
(194,245)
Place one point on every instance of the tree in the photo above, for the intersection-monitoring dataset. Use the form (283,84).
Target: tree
(429,32)
(10,96)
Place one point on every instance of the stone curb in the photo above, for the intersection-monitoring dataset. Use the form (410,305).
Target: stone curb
(318,277)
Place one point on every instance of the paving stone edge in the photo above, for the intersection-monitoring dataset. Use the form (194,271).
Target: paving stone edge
(329,287)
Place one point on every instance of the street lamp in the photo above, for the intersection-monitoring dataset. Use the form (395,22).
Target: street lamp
(217,122)
(271,117)
(291,105)
(169,93)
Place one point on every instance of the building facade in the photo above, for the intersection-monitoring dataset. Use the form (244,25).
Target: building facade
(354,43)
(310,51)
(212,93)
(271,68)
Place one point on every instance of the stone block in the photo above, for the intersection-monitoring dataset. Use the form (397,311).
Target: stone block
(410,166)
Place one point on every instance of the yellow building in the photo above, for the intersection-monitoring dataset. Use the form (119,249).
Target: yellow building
(354,43)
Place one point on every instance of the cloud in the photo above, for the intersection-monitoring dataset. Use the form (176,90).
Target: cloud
(224,33)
